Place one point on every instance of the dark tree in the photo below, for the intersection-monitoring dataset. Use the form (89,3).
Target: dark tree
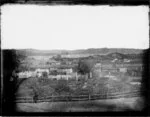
(54,72)
(57,57)
(10,63)
(45,75)
(85,66)
(62,87)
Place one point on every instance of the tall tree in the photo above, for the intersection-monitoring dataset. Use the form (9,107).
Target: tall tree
(85,66)
(10,63)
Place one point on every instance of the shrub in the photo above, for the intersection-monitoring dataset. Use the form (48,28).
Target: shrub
(62,87)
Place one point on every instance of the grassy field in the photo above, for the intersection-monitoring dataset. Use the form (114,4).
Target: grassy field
(122,104)
(43,88)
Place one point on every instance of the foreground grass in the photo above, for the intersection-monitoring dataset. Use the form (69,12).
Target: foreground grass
(122,104)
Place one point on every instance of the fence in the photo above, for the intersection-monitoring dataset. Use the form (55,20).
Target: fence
(79,98)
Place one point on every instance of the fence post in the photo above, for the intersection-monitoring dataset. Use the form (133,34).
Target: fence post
(89,97)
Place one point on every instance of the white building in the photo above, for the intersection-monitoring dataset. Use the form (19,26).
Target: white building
(123,70)
(114,60)
(41,70)
(26,74)
(127,60)
(68,71)
(58,77)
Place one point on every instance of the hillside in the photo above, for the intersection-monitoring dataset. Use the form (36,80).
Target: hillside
(107,51)
(92,51)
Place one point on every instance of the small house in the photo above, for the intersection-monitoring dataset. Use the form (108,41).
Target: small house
(123,70)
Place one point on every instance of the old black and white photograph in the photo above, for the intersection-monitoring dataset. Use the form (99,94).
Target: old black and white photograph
(74,58)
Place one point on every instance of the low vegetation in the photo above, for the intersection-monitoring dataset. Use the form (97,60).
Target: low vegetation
(43,88)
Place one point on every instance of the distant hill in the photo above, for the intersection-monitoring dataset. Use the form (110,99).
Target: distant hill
(91,51)
(34,52)
(107,51)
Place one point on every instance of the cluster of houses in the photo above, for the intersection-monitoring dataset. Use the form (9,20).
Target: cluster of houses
(100,68)
(53,73)
(107,69)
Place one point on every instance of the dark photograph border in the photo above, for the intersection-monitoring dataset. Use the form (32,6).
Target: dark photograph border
(79,2)
(5,85)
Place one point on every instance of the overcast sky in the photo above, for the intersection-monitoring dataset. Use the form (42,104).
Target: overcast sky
(74,27)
